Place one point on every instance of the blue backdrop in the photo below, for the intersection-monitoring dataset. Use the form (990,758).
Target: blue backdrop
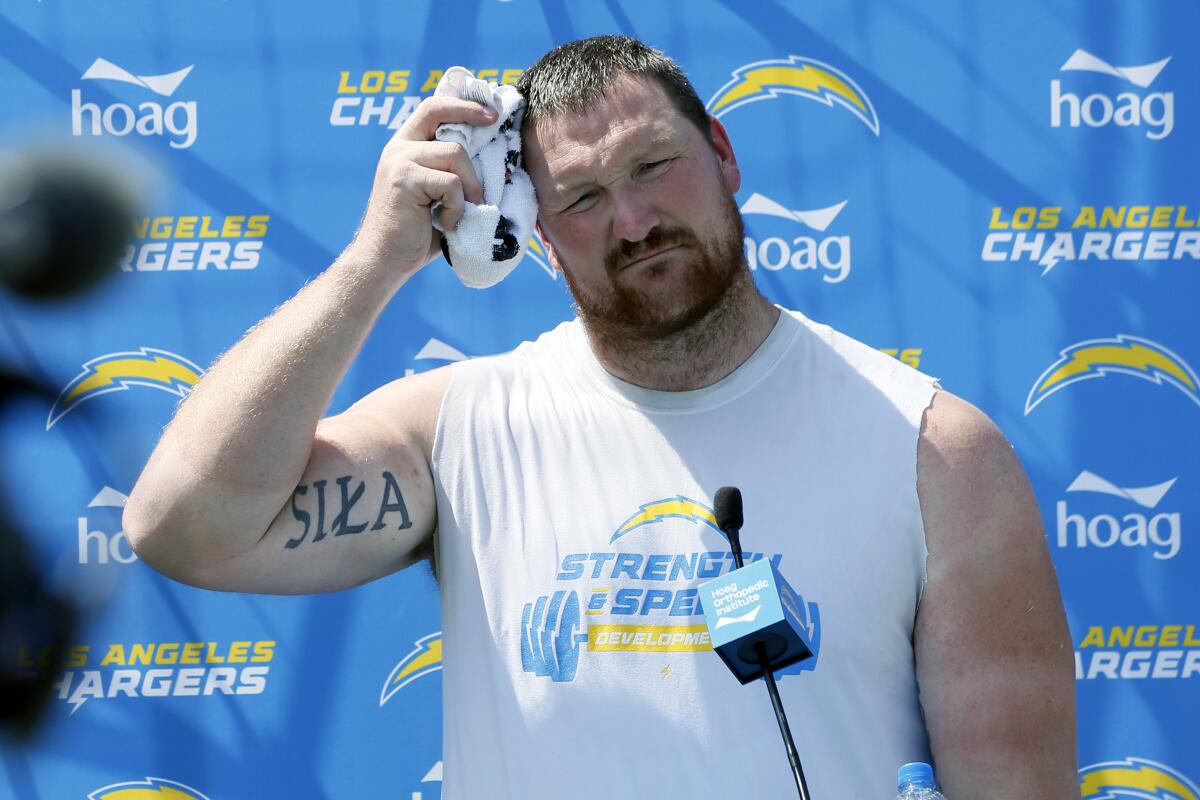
(1000,194)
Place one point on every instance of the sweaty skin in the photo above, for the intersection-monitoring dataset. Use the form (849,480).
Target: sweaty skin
(251,490)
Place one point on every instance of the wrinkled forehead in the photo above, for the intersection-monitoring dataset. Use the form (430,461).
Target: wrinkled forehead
(634,115)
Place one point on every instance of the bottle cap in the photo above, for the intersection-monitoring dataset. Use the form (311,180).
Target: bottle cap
(918,773)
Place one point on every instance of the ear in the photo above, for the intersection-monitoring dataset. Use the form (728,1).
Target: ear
(727,161)
(545,242)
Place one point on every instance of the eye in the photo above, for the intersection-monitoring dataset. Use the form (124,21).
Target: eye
(653,168)
(584,202)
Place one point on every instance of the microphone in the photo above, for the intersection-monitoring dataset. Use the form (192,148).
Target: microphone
(753,620)
(727,507)
(751,606)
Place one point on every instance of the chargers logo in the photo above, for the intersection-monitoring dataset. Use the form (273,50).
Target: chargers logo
(1137,778)
(116,372)
(149,789)
(814,80)
(426,658)
(536,251)
(677,507)
(1125,355)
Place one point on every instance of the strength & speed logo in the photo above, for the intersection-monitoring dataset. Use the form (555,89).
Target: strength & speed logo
(629,599)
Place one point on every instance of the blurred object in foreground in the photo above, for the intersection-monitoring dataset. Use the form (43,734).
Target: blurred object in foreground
(66,215)
(36,623)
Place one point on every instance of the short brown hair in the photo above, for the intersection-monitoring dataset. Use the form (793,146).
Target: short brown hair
(574,75)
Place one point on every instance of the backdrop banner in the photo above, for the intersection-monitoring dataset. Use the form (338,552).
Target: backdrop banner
(1001,195)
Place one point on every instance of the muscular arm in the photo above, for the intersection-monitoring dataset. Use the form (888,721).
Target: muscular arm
(994,656)
(248,489)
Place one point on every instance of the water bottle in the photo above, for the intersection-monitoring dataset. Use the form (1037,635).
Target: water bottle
(915,782)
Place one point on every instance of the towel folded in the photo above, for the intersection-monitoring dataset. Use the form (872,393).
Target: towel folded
(491,237)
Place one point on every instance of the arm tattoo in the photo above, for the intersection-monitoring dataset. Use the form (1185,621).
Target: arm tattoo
(341,525)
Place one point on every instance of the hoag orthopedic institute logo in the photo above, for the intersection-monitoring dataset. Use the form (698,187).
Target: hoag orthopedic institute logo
(150,118)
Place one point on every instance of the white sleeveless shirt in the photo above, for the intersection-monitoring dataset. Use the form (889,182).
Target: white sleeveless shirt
(575,521)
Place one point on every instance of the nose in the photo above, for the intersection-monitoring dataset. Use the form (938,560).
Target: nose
(633,215)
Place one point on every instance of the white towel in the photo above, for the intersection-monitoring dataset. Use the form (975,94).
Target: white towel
(491,237)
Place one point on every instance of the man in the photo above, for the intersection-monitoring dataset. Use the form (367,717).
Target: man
(569,482)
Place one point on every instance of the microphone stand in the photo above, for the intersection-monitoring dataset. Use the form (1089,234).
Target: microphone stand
(760,649)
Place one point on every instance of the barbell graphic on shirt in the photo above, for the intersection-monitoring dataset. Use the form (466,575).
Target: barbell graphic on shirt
(549,642)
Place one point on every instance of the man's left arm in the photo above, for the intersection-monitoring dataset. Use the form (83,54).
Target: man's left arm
(994,658)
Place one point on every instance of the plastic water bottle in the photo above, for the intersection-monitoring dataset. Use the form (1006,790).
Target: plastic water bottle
(915,782)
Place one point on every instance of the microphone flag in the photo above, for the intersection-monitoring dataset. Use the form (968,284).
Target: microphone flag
(750,605)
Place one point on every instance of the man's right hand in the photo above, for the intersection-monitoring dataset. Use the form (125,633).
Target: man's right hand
(415,172)
(249,489)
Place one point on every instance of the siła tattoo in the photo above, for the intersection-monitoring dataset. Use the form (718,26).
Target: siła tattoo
(341,524)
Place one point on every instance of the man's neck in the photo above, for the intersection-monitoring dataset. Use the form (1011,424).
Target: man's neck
(699,355)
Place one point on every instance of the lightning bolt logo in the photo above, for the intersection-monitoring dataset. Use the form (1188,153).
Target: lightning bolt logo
(1124,355)
(116,372)
(1135,777)
(536,251)
(149,789)
(425,658)
(813,80)
(677,507)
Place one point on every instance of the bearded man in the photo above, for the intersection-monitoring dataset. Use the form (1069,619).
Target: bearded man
(569,483)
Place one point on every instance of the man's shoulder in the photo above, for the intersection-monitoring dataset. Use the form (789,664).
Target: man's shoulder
(967,470)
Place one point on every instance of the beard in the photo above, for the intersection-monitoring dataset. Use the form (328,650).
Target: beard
(615,312)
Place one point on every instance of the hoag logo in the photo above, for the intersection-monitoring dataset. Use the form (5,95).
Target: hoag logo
(150,118)
(1162,530)
(1154,110)
(107,542)
(827,255)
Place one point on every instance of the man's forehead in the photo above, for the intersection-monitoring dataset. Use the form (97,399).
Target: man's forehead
(635,114)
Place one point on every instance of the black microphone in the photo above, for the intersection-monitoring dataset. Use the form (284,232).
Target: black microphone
(727,506)
(752,622)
